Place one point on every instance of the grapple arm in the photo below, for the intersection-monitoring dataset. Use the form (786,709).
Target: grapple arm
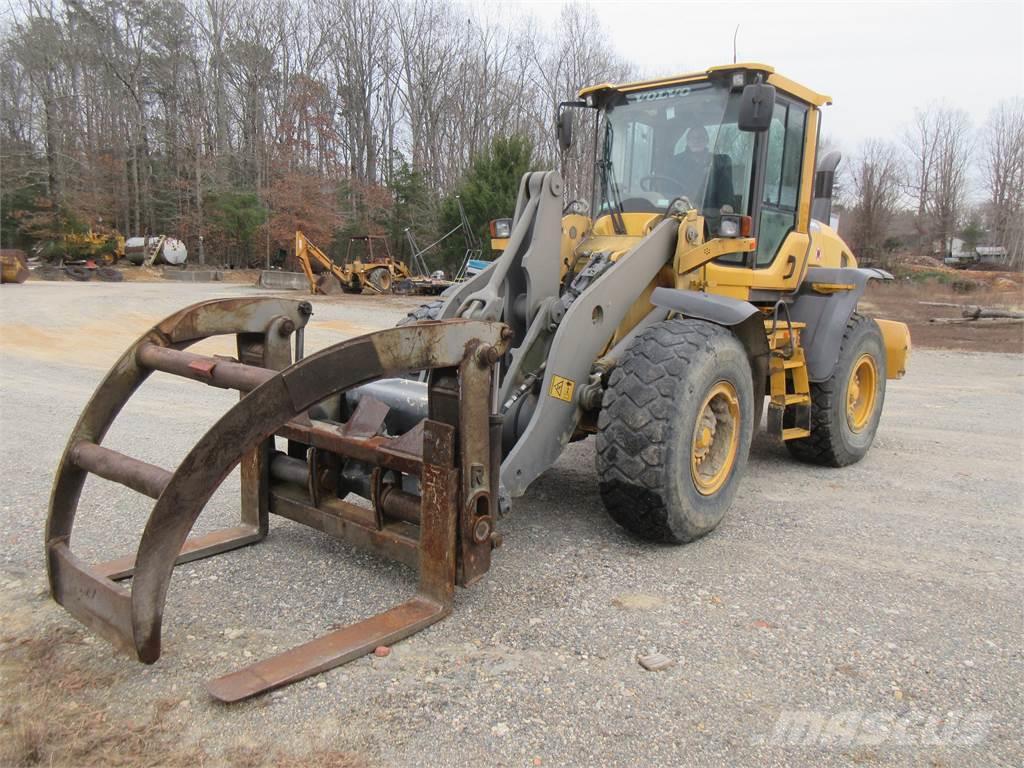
(445,529)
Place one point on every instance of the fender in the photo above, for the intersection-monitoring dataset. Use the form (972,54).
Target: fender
(741,317)
(826,300)
(721,310)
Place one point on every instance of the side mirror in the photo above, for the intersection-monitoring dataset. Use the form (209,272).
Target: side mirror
(756,106)
(565,124)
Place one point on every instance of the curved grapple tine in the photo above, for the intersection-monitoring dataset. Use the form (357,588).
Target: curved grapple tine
(446,529)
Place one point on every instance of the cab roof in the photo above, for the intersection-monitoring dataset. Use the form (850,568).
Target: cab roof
(784,84)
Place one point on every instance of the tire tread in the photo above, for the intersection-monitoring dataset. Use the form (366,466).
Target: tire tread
(638,405)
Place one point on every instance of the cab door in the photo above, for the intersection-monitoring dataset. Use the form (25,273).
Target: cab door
(785,157)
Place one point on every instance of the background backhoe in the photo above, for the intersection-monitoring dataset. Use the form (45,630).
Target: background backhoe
(377,271)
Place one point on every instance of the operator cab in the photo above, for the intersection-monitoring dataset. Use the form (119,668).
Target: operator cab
(687,143)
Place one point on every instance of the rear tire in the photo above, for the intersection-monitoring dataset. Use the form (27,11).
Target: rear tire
(380,278)
(675,429)
(846,409)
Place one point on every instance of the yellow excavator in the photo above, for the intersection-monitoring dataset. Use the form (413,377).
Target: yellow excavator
(700,286)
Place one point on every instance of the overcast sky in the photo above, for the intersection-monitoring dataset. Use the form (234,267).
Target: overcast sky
(877,60)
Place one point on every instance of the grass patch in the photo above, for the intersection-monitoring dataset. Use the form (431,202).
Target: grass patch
(54,712)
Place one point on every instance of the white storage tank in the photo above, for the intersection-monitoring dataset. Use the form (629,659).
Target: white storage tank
(172,252)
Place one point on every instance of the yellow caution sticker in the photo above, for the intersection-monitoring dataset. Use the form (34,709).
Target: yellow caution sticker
(562,388)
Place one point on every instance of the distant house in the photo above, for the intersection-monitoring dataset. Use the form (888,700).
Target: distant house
(958,256)
(992,254)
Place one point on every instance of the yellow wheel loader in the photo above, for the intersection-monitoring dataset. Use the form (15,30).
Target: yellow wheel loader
(702,283)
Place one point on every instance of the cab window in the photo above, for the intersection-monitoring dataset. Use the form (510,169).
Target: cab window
(781,179)
(634,154)
(677,141)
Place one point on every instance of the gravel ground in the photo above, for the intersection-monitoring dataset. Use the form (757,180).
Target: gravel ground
(880,603)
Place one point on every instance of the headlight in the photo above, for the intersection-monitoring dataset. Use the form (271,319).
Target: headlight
(501,228)
(732,225)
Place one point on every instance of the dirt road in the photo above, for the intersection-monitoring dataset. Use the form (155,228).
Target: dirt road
(870,615)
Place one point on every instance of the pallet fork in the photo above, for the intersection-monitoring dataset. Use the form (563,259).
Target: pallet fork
(432,488)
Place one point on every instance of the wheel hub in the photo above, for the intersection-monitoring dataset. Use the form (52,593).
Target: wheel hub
(860,393)
(715,439)
(705,434)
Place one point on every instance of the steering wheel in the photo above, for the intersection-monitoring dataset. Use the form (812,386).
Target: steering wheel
(648,184)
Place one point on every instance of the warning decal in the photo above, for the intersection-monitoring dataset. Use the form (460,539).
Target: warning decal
(562,388)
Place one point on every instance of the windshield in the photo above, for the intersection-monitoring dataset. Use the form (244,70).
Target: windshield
(680,141)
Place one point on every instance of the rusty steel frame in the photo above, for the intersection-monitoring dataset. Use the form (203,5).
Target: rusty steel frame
(450,452)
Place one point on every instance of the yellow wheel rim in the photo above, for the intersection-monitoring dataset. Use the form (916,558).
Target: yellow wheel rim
(716,438)
(861,392)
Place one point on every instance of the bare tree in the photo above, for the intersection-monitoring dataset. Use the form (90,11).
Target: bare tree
(566,63)
(953,143)
(157,115)
(877,177)
(1003,166)
(920,139)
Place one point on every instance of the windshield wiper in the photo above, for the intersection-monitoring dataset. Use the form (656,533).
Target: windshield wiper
(609,187)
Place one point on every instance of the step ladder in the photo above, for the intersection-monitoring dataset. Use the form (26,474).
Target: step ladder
(153,250)
(789,409)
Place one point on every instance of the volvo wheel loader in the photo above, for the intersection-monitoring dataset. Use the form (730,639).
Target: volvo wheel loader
(702,286)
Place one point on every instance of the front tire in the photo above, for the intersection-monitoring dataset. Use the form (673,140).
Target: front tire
(846,409)
(354,287)
(674,431)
